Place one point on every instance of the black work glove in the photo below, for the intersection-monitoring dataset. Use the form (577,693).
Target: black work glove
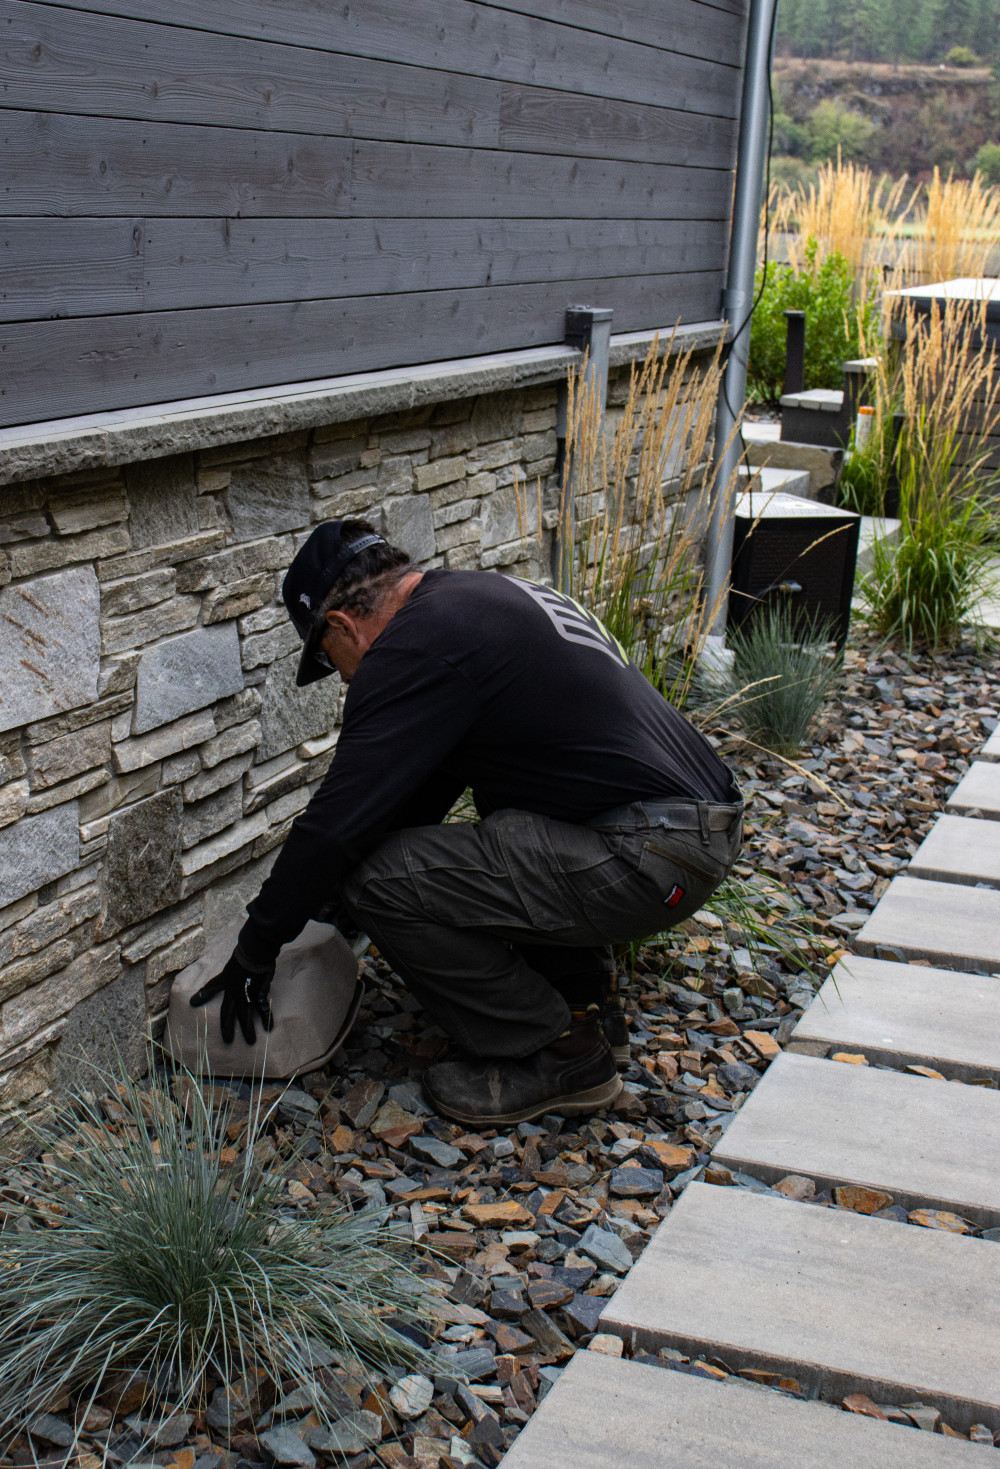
(244,990)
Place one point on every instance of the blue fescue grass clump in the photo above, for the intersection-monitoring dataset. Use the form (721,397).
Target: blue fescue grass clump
(159,1248)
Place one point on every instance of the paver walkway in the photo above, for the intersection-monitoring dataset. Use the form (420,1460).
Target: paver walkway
(841,1302)
(774,1287)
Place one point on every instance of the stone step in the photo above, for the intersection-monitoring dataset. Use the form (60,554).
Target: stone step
(978,790)
(959,849)
(930,1144)
(604,1411)
(874,528)
(905,1014)
(991,749)
(950,924)
(768,481)
(842,1302)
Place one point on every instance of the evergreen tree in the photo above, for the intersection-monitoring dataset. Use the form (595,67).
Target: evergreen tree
(889,30)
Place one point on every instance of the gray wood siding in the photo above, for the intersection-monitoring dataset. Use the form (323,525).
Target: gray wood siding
(204,198)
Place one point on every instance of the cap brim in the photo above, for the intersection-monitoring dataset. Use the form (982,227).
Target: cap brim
(310,669)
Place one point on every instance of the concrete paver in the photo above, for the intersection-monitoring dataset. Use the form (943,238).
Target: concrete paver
(842,1302)
(928,1143)
(905,1014)
(604,1411)
(991,749)
(959,849)
(978,790)
(948,923)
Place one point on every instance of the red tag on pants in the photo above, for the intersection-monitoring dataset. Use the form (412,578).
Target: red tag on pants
(674,896)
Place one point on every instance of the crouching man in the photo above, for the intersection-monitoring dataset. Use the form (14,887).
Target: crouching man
(606,817)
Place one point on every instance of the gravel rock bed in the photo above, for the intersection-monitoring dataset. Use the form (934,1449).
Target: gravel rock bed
(524,1233)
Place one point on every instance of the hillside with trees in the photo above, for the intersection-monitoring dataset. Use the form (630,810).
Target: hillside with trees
(896,118)
(901,85)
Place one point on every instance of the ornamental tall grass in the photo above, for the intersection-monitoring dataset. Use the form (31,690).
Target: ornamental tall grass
(957,228)
(634,508)
(847,211)
(159,1247)
(945,381)
(917,233)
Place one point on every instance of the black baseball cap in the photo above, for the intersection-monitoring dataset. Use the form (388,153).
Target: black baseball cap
(308,580)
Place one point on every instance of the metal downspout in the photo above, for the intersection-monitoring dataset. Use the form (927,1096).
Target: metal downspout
(737,300)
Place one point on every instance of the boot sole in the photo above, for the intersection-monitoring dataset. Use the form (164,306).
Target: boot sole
(570,1105)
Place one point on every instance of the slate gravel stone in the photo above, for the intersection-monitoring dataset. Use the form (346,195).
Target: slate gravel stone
(474,1365)
(412,1395)
(585,1311)
(606,1248)
(636,1183)
(53,1430)
(349,1435)
(434,1151)
(286,1447)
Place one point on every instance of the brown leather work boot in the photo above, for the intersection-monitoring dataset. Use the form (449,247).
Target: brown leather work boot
(574,1074)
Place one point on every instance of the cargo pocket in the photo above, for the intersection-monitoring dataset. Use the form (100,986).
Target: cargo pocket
(534,868)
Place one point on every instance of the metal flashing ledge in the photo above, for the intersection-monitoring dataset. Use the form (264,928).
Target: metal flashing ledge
(64,446)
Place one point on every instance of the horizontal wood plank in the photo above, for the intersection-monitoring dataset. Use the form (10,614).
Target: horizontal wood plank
(65,165)
(461,36)
(539,119)
(56,369)
(62,165)
(464,183)
(681,25)
(71,267)
(64,61)
(91,267)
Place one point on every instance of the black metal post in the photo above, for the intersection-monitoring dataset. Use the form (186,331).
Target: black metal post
(795,351)
(588,329)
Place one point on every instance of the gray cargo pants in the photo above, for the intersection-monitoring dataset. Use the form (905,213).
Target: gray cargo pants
(486,922)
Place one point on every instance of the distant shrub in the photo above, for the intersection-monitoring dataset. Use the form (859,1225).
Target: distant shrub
(790,137)
(826,294)
(988,162)
(962,56)
(791,173)
(834,129)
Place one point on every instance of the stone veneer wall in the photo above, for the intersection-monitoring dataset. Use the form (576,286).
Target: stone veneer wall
(153,747)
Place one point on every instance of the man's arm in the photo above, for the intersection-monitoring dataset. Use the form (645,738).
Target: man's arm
(405,714)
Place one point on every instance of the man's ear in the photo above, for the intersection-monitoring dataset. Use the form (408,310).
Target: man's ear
(342,624)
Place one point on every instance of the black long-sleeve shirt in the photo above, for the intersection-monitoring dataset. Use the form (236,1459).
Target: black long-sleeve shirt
(486,681)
